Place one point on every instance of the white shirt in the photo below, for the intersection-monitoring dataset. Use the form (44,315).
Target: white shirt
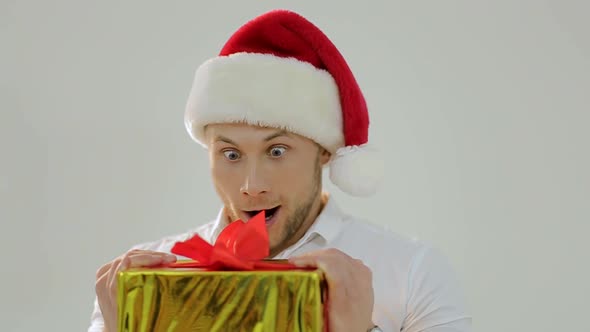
(415,286)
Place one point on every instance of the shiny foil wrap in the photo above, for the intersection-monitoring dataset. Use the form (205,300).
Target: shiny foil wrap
(192,299)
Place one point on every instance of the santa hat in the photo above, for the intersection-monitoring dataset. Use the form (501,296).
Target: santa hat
(279,70)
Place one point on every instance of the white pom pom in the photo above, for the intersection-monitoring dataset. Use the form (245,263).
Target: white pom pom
(357,170)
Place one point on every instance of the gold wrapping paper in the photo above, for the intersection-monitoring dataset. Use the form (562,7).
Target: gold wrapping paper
(190,299)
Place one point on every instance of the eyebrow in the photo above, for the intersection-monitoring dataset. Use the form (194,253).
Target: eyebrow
(225,139)
(275,135)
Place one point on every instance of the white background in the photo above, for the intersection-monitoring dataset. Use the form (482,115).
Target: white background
(481,109)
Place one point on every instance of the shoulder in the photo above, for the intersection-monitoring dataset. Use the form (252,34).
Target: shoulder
(165,243)
(380,239)
(418,276)
(412,260)
(418,260)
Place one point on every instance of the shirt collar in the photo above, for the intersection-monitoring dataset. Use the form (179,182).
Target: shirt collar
(327,225)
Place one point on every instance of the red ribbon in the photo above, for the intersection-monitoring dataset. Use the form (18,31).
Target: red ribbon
(240,246)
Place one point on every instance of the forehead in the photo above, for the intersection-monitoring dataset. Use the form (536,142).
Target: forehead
(243,132)
(238,127)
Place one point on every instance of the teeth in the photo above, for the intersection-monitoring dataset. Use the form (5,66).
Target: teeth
(269,213)
(268,216)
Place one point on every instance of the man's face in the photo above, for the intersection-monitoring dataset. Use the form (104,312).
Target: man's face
(256,168)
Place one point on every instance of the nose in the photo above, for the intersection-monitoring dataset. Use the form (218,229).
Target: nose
(255,183)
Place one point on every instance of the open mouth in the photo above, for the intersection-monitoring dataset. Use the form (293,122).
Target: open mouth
(269,214)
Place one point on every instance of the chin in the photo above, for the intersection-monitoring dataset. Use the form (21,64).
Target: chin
(274,237)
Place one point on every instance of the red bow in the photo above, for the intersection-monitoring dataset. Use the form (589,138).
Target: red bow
(240,246)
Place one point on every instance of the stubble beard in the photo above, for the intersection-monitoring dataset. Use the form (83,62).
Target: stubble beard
(298,218)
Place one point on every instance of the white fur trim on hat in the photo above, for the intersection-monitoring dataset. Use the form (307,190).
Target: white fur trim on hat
(266,90)
(357,170)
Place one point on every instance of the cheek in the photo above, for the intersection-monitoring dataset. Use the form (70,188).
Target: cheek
(294,181)
(290,182)
(226,177)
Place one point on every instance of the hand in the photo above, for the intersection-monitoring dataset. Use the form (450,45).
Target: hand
(106,280)
(350,288)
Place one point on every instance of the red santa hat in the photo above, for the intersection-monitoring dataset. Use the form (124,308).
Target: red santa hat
(279,70)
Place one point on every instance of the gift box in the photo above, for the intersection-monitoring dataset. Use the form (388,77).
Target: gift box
(228,286)
(192,299)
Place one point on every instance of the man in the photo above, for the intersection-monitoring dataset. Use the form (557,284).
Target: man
(275,107)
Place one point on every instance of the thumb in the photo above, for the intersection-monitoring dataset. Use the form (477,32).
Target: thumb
(304,261)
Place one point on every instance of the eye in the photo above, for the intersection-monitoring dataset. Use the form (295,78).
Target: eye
(277,151)
(231,155)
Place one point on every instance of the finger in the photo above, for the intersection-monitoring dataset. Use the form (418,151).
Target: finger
(136,259)
(320,261)
(305,260)
(149,259)
(313,258)
(143,252)
(106,267)
(103,296)
(111,283)
(103,270)
(337,267)
(100,285)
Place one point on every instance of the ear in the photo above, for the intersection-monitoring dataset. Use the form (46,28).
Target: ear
(325,156)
